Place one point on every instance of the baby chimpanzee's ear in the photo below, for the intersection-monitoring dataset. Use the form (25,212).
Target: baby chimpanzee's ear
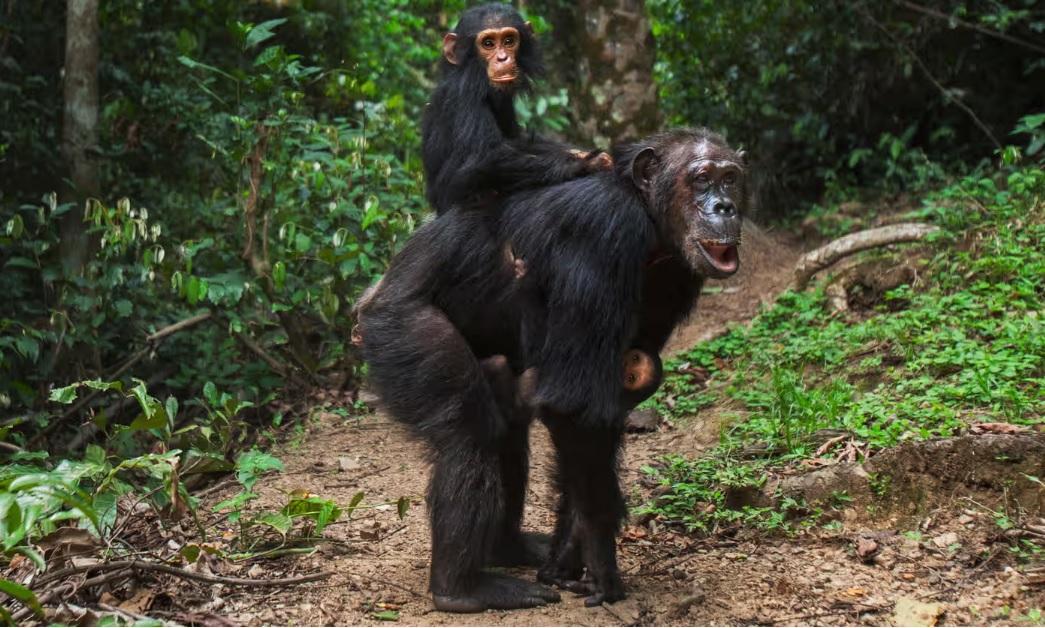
(450,48)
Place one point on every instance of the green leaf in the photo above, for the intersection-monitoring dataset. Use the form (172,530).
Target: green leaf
(15,226)
(279,274)
(210,393)
(28,347)
(402,505)
(235,502)
(123,307)
(262,32)
(21,262)
(23,595)
(252,464)
(65,394)
(277,521)
(386,615)
(172,408)
(356,499)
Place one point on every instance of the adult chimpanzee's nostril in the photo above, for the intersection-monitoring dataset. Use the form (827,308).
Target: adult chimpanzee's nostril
(723,206)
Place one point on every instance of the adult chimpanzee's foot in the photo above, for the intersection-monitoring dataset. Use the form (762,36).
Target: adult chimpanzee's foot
(495,591)
(595,592)
(521,549)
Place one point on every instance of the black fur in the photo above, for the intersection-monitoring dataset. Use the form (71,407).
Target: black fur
(473,146)
(607,270)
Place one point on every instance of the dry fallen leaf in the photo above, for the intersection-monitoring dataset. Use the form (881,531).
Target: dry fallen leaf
(139,603)
(855,592)
(866,549)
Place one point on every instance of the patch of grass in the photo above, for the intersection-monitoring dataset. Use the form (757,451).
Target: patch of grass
(966,344)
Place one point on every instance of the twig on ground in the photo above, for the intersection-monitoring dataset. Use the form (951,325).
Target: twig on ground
(188,575)
(69,589)
(819,259)
(224,484)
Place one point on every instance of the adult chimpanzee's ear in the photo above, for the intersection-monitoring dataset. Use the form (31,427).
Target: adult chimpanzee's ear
(742,156)
(450,48)
(642,168)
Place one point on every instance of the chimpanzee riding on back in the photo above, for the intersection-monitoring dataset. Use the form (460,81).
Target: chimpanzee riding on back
(473,145)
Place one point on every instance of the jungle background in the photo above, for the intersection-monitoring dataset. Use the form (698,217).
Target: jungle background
(193,193)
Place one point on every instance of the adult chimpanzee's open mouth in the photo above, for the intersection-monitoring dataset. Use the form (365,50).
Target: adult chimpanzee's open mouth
(722,256)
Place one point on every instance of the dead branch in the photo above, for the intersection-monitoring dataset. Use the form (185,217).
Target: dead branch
(949,96)
(180,325)
(819,259)
(990,32)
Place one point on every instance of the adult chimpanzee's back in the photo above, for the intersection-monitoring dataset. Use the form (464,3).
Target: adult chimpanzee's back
(613,261)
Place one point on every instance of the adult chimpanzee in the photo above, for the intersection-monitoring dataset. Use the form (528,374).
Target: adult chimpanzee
(614,261)
(473,145)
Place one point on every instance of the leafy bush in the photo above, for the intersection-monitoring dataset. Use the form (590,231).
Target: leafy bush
(815,89)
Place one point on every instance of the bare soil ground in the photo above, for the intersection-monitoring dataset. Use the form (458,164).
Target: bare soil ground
(958,570)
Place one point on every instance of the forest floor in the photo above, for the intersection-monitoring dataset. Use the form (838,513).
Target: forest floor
(951,565)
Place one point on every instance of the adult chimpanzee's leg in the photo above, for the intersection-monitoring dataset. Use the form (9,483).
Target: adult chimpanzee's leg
(587,459)
(515,398)
(429,378)
(564,567)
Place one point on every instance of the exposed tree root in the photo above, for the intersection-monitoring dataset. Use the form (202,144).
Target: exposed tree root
(821,258)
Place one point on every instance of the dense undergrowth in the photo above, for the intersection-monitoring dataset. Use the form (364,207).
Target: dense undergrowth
(963,343)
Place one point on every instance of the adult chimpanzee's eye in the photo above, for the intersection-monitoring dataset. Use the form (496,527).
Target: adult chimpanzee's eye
(730,178)
(488,42)
(701,182)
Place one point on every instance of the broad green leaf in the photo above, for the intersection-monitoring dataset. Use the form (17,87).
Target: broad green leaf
(277,521)
(66,394)
(23,595)
(262,32)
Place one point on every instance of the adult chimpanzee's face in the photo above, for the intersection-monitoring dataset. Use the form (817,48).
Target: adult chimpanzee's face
(698,195)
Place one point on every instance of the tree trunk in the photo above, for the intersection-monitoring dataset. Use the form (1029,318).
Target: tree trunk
(79,126)
(617,99)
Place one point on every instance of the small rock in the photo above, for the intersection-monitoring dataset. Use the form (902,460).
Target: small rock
(911,612)
(368,398)
(643,420)
(964,519)
(945,540)
(348,463)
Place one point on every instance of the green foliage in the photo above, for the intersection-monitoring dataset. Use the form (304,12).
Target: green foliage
(967,345)
(843,94)
(289,189)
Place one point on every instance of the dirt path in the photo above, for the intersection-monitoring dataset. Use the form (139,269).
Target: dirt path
(381,562)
